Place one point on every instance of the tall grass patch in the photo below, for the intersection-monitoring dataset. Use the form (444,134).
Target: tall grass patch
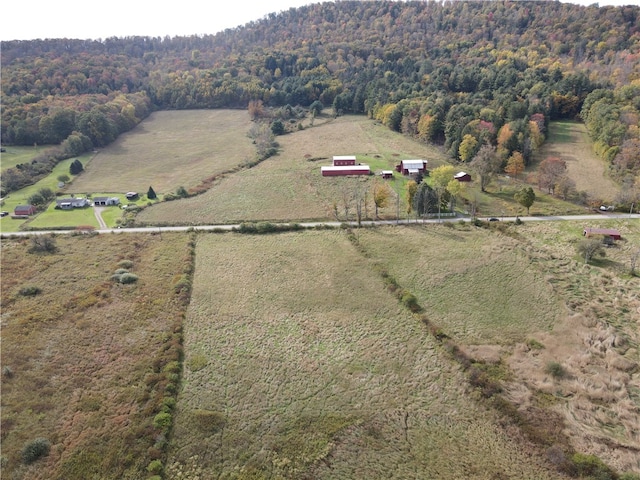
(95,352)
(171,149)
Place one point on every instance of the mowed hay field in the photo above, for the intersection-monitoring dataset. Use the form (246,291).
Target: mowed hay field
(300,364)
(570,142)
(85,359)
(168,150)
(289,186)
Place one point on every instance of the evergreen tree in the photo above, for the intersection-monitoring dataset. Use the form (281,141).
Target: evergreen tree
(525,197)
(76,167)
(151,194)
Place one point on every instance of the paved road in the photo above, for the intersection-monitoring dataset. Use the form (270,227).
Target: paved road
(183,228)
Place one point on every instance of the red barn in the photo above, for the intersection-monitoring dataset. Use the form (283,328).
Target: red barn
(462,177)
(606,232)
(24,210)
(342,160)
(412,167)
(333,171)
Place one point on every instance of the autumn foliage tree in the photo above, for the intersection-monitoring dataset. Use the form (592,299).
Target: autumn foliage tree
(486,163)
(550,171)
(381,193)
(515,165)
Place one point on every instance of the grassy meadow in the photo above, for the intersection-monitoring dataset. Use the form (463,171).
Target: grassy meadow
(293,357)
(299,363)
(289,186)
(19,154)
(169,150)
(209,150)
(570,141)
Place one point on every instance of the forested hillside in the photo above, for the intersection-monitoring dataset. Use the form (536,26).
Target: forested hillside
(459,74)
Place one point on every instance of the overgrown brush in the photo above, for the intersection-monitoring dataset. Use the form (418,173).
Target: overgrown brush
(34,450)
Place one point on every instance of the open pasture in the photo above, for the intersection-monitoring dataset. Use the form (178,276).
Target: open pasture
(570,142)
(83,356)
(476,285)
(300,364)
(289,186)
(171,149)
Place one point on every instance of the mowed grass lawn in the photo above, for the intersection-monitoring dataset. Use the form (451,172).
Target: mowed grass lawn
(171,149)
(300,364)
(289,186)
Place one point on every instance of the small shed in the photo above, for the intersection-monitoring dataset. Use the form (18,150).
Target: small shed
(342,170)
(131,195)
(462,177)
(412,167)
(24,210)
(605,232)
(342,160)
(387,174)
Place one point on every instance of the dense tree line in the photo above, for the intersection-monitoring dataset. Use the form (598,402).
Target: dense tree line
(461,74)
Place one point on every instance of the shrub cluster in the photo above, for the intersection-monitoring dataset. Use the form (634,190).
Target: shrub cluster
(30,291)
(34,450)
(266,227)
(43,244)
(555,369)
(122,275)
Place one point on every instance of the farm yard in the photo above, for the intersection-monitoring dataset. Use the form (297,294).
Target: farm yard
(289,186)
(174,149)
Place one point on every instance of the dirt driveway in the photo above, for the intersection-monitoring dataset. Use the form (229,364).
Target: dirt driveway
(98,213)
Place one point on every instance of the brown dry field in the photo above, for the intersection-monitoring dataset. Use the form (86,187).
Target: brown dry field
(169,150)
(570,142)
(82,360)
(300,364)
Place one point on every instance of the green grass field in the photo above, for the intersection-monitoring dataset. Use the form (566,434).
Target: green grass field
(18,154)
(570,141)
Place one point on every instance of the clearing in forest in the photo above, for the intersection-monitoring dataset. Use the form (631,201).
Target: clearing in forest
(570,141)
